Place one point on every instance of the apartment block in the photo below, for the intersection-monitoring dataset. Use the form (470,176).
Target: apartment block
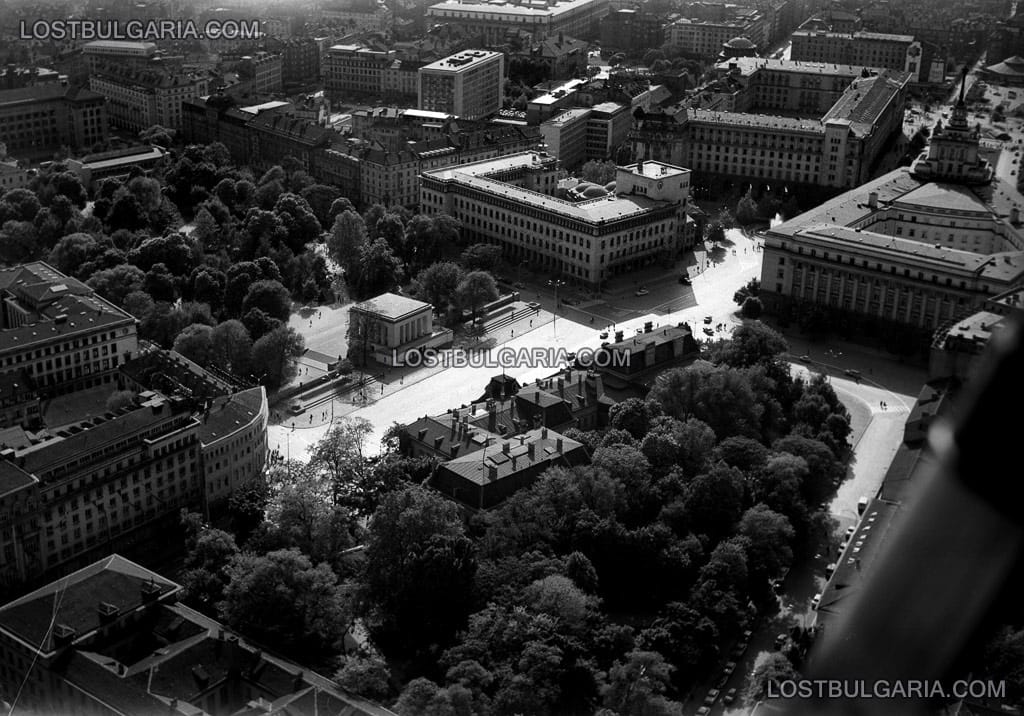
(111,482)
(113,638)
(38,120)
(468,84)
(139,98)
(355,69)
(632,29)
(300,61)
(59,332)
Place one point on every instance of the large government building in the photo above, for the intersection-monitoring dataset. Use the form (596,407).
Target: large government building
(919,246)
(492,21)
(748,124)
(511,202)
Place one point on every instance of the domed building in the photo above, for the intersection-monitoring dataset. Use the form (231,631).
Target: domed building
(737,47)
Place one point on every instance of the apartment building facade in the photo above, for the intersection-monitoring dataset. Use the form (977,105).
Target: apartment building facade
(355,69)
(468,84)
(112,482)
(37,120)
(59,332)
(139,98)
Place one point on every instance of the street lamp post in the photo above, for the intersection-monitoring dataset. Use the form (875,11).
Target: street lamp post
(556,283)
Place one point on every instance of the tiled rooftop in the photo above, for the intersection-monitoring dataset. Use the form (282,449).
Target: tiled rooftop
(230,413)
(545,451)
(73,600)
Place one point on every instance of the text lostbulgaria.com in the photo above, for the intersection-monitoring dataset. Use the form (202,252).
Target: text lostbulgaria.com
(883,689)
(138,30)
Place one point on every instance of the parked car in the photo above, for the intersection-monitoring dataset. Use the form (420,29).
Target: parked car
(684,279)
(534,305)
(703,711)
(780,641)
(729,697)
(738,651)
(816,601)
(708,319)
(641,291)
(805,358)
(604,334)
(712,697)
(295,409)
(709,332)
(730,666)
(855,374)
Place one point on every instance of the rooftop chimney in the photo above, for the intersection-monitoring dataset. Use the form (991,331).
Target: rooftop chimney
(531,450)
(1015,215)
(873,200)
(492,472)
(558,444)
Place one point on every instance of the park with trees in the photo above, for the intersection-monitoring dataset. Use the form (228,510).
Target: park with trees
(608,588)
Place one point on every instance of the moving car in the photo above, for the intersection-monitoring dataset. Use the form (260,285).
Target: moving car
(805,358)
(780,641)
(852,373)
(816,601)
(604,334)
(684,279)
(641,291)
(708,319)
(295,409)
(709,332)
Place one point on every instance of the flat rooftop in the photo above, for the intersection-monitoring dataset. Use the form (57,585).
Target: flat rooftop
(462,61)
(749,65)
(600,210)
(655,170)
(756,121)
(859,35)
(535,9)
(100,46)
(392,306)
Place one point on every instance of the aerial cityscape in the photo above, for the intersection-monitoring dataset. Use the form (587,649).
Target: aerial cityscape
(511,357)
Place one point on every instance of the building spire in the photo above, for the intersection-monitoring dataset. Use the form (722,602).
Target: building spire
(963,85)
